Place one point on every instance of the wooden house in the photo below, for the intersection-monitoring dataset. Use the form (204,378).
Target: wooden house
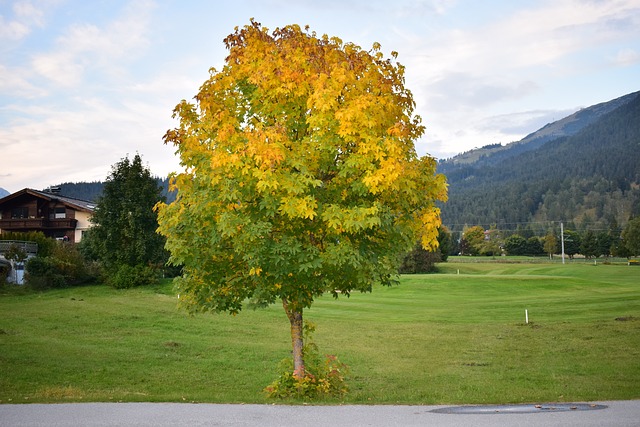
(56,216)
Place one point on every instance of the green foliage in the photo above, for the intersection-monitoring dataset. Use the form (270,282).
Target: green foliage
(46,245)
(15,253)
(518,245)
(323,376)
(515,245)
(420,260)
(631,237)
(492,243)
(126,276)
(44,273)
(588,245)
(550,244)
(473,238)
(534,246)
(125,223)
(572,243)
(64,267)
(82,190)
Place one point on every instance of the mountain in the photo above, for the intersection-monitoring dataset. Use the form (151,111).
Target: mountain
(568,126)
(3,193)
(583,169)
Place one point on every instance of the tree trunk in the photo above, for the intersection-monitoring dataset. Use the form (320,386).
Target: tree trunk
(295,318)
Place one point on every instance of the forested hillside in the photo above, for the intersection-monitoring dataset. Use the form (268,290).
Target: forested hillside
(590,178)
(93,190)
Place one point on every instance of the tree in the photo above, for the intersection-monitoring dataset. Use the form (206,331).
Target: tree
(301,176)
(420,260)
(125,222)
(474,238)
(615,232)
(492,242)
(571,243)
(534,246)
(550,244)
(603,244)
(631,237)
(589,244)
(445,243)
(515,245)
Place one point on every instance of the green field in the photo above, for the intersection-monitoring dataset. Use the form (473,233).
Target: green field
(455,337)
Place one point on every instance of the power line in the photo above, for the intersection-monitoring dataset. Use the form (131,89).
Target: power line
(529,226)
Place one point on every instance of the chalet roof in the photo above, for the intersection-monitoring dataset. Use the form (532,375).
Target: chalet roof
(77,204)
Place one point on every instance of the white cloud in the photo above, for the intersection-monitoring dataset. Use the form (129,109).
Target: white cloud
(27,11)
(12,30)
(14,81)
(81,143)
(486,82)
(85,47)
(626,57)
(26,16)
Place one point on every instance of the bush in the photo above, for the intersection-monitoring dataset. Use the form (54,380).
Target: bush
(44,273)
(323,377)
(420,261)
(126,276)
(64,267)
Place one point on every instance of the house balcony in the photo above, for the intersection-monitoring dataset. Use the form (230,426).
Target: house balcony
(36,224)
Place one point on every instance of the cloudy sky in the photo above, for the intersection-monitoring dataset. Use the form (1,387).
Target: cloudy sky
(84,83)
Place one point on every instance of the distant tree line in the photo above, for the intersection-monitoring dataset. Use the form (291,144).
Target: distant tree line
(614,241)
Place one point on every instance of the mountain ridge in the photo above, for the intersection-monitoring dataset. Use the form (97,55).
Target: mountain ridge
(567,126)
(588,175)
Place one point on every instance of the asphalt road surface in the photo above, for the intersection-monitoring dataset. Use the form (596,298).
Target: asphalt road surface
(618,414)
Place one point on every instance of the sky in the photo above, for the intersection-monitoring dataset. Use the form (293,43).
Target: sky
(86,83)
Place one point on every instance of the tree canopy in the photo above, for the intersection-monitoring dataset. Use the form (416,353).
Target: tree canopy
(125,223)
(300,175)
(631,237)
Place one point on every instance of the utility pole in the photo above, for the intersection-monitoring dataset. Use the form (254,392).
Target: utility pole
(562,239)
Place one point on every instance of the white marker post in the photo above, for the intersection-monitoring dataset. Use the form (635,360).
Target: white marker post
(526,316)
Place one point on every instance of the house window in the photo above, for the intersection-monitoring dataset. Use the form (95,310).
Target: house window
(57,213)
(18,213)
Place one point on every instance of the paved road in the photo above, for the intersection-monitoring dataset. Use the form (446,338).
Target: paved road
(618,414)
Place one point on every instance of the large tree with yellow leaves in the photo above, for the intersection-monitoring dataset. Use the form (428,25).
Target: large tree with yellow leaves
(300,176)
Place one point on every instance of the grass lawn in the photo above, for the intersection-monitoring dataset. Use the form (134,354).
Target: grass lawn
(455,337)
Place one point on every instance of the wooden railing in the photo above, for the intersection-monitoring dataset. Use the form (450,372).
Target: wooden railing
(28,247)
(37,223)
